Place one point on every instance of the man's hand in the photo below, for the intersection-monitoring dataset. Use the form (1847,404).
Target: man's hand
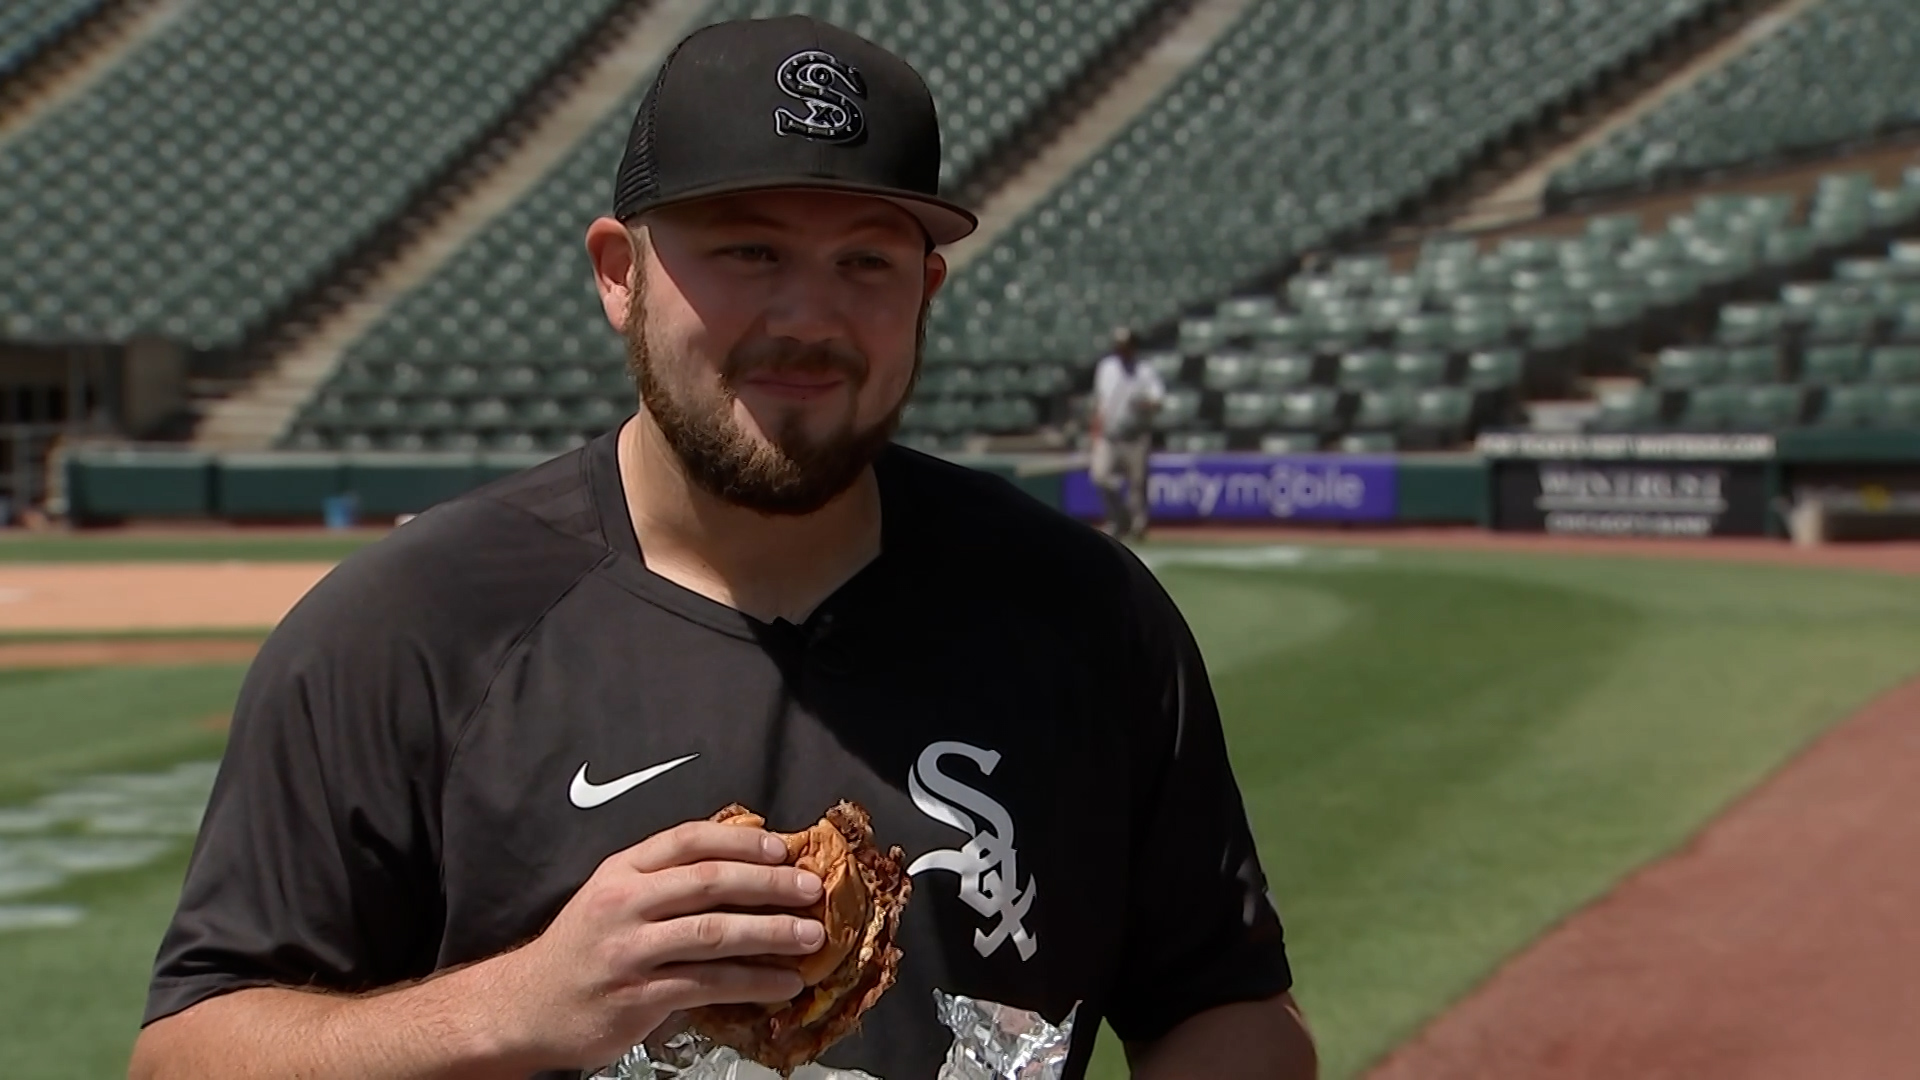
(666,925)
(657,930)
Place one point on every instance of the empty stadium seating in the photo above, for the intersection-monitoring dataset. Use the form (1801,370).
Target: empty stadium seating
(1841,70)
(519,297)
(1308,118)
(237,155)
(27,26)
(1842,352)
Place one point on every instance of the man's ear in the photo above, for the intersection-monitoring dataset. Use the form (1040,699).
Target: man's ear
(936,273)
(615,253)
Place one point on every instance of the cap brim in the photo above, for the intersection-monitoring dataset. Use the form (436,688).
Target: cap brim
(945,222)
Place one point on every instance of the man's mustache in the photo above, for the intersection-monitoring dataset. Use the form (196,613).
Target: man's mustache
(788,356)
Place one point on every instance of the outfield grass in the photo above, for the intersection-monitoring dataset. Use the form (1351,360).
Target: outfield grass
(1443,754)
(112,548)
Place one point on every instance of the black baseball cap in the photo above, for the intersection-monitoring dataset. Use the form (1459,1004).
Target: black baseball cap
(784,103)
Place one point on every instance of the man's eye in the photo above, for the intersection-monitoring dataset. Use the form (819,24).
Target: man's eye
(750,253)
(869,262)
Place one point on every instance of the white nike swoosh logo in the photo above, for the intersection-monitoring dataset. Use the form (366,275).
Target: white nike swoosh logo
(587,795)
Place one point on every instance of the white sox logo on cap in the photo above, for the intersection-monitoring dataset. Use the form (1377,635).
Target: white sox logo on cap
(827,87)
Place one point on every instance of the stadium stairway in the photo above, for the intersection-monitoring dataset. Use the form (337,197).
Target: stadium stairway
(66,67)
(1522,196)
(1184,42)
(253,415)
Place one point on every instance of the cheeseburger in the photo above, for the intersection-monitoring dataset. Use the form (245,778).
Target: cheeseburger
(864,892)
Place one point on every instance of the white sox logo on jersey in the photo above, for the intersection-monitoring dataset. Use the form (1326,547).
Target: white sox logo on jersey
(987,864)
(827,88)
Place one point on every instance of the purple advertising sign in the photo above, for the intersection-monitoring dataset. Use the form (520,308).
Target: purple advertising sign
(1253,487)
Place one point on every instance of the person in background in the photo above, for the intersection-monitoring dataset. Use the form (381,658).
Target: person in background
(1126,395)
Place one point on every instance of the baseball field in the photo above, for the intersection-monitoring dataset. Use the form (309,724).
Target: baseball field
(1526,813)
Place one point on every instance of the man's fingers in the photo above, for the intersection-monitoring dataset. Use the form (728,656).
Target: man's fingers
(691,986)
(706,886)
(697,841)
(721,935)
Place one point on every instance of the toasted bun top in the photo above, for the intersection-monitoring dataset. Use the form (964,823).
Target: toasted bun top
(843,905)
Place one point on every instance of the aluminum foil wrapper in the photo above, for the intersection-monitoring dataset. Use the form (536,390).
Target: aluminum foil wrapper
(688,1056)
(999,1042)
(990,1042)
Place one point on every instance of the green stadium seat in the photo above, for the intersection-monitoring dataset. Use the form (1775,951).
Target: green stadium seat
(1892,364)
(1179,410)
(1848,407)
(1251,410)
(1637,409)
(1495,369)
(1679,368)
(1196,442)
(1712,408)
(1616,307)
(1834,322)
(1200,336)
(1427,330)
(1283,371)
(1907,326)
(1289,443)
(1442,409)
(1368,368)
(1417,368)
(1282,329)
(1369,442)
(1381,410)
(1228,371)
(1831,365)
(1308,409)
(1897,407)
(1768,408)
(1742,324)
(1751,366)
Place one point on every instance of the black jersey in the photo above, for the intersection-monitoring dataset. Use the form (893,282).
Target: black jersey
(441,742)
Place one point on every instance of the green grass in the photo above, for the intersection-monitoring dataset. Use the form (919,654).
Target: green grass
(112,548)
(70,999)
(1479,745)
(1443,755)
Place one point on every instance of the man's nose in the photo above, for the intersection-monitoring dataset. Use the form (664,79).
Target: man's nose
(808,305)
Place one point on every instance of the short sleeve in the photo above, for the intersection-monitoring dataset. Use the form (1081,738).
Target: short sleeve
(1202,930)
(315,862)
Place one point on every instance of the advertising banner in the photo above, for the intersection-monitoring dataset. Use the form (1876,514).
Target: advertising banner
(1631,498)
(1253,487)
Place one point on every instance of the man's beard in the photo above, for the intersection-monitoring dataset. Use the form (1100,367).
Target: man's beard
(792,473)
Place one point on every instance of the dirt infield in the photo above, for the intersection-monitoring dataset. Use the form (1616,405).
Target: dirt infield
(112,597)
(1780,944)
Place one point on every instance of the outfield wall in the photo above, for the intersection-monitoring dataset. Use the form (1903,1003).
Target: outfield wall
(1660,484)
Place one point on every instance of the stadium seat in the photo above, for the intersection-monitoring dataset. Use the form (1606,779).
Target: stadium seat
(1228,371)
(29,26)
(1283,371)
(1837,322)
(1496,369)
(1418,368)
(1742,324)
(1369,442)
(1680,368)
(1289,443)
(1897,407)
(1179,410)
(1768,408)
(1894,364)
(1381,410)
(1832,365)
(1848,407)
(1856,52)
(1367,369)
(1197,442)
(1712,408)
(1637,409)
(1251,410)
(1308,409)
(1751,365)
